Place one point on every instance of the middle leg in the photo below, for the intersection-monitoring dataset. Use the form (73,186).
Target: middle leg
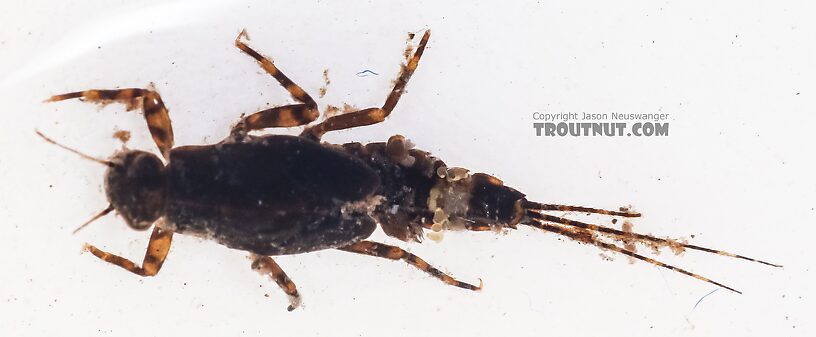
(265,265)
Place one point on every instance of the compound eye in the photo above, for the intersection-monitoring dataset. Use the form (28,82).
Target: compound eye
(144,163)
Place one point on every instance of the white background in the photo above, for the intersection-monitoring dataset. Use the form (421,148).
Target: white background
(736,171)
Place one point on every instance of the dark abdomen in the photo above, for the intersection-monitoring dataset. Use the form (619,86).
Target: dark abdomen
(270,195)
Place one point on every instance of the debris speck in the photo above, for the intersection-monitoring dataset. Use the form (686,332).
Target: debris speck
(122,135)
(704,296)
(326,82)
(366,73)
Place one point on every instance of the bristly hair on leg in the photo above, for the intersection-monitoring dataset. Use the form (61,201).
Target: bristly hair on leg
(535,216)
(586,236)
(637,237)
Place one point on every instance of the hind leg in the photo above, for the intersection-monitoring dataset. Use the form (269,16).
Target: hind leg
(372,115)
(284,116)
(395,253)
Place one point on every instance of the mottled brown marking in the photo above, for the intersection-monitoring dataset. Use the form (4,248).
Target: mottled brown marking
(266,265)
(567,208)
(290,287)
(640,238)
(345,121)
(285,116)
(585,236)
(157,250)
(421,264)
(296,91)
(155,113)
(158,120)
(126,94)
(372,115)
(395,253)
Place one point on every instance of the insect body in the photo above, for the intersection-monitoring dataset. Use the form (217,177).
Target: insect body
(270,195)
(278,195)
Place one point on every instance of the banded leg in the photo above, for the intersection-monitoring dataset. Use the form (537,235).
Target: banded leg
(156,252)
(265,265)
(284,116)
(395,253)
(156,114)
(372,115)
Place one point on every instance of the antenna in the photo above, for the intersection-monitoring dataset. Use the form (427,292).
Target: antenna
(101,214)
(101,161)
